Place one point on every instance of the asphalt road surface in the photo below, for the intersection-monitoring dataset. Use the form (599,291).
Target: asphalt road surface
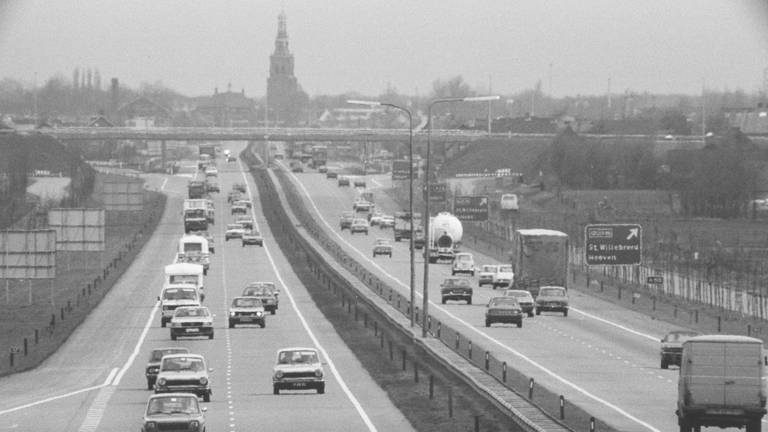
(95,382)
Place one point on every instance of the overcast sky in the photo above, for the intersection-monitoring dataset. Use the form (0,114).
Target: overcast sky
(660,46)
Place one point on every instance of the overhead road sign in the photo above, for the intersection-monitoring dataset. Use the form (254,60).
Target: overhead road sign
(501,172)
(609,244)
(438,191)
(471,208)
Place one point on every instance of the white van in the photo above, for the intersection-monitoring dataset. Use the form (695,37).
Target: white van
(509,202)
(176,295)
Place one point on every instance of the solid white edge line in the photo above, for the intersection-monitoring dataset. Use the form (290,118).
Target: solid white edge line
(469,326)
(611,323)
(50,399)
(162,186)
(358,407)
(111,376)
(136,349)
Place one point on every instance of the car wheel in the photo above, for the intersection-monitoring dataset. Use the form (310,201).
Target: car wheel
(150,385)
(487,323)
(565,313)
(538,312)
(390,255)
(173,336)
(243,244)
(210,336)
(374,255)
(530,314)
(664,364)
(206,397)
(520,324)
(205,272)
(321,388)
(231,324)
(263,324)
(443,301)
(453,273)
(162,322)
(275,389)
(472,273)
(272,312)
(469,301)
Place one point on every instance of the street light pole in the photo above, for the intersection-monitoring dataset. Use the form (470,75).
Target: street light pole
(410,196)
(427,233)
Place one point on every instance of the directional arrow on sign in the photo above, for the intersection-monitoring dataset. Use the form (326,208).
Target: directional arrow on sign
(483,201)
(633,233)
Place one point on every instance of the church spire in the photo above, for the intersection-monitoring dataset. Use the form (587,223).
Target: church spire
(281,41)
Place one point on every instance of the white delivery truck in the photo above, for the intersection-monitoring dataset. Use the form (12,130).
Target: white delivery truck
(721,383)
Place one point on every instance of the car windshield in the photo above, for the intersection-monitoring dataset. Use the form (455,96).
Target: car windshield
(256,291)
(381,242)
(246,302)
(297,357)
(679,336)
(552,292)
(179,364)
(463,258)
(359,222)
(158,354)
(457,283)
(180,294)
(234,226)
(191,312)
(517,294)
(502,301)
(489,268)
(505,269)
(173,404)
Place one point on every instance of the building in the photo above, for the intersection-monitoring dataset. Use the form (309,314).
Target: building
(751,121)
(285,99)
(225,109)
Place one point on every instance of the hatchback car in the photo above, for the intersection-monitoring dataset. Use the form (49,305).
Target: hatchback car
(234,231)
(359,225)
(382,247)
(672,347)
(504,276)
(213,187)
(463,262)
(387,221)
(244,202)
(552,299)
(191,321)
(238,209)
(345,221)
(322,169)
(456,288)
(245,221)
(173,411)
(247,310)
(524,299)
(153,365)
(298,369)
(331,174)
(266,293)
(252,237)
(359,183)
(503,310)
(184,373)
(240,187)
(485,274)
(343,181)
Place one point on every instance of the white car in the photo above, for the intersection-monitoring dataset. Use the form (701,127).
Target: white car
(359,225)
(298,369)
(234,230)
(486,273)
(504,276)
(463,262)
(191,321)
(387,221)
(184,373)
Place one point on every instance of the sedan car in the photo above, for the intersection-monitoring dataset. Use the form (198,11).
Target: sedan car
(387,221)
(266,293)
(173,411)
(213,187)
(485,274)
(240,187)
(456,288)
(552,299)
(184,373)
(244,202)
(238,209)
(298,369)
(375,218)
(359,183)
(503,310)
(252,237)
(234,230)
(382,247)
(672,347)
(524,299)
(331,174)
(343,181)
(322,169)
(233,196)
(345,221)
(191,321)
(153,365)
(245,221)
(247,310)
(359,225)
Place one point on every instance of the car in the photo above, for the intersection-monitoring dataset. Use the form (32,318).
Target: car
(463,262)
(233,196)
(213,187)
(359,225)
(184,373)
(244,202)
(343,181)
(382,247)
(387,221)
(298,369)
(174,296)
(191,321)
(247,310)
(672,347)
(211,171)
(345,221)
(485,274)
(252,237)
(296,166)
(231,158)
(504,276)
(552,299)
(359,183)
(503,310)
(234,230)
(153,365)
(322,169)
(524,299)
(266,292)
(173,411)
(240,187)
(509,202)
(239,209)
(375,218)
(331,174)
(362,206)
(245,221)
(456,288)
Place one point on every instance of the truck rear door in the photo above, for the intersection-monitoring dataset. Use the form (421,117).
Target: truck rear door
(742,374)
(707,374)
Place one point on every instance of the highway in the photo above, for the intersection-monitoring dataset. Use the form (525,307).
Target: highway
(95,382)
(601,357)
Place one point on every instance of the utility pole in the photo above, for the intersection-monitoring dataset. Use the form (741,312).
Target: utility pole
(490,91)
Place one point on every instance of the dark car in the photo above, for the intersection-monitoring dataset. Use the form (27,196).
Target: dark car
(240,187)
(331,174)
(345,222)
(552,299)
(524,299)
(252,237)
(247,310)
(456,288)
(672,347)
(343,181)
(153,365)
(504,310)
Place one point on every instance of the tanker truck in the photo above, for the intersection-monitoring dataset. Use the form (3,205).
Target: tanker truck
(445,232)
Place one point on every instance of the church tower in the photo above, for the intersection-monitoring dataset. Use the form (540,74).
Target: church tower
(283,94)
